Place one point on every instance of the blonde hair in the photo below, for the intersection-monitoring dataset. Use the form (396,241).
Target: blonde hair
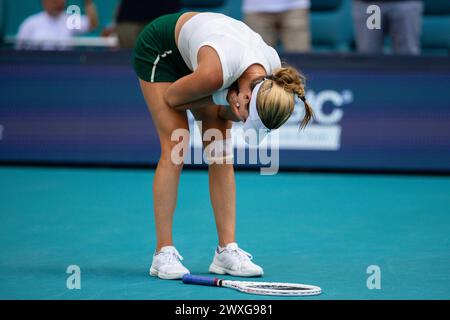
(275,101)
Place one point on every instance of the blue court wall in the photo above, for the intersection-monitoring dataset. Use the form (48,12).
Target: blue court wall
(384,113)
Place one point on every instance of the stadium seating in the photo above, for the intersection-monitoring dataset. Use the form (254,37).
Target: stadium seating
(436,26)
(331,25)
(331,21)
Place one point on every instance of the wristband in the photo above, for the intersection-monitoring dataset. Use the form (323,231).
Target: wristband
(220,97)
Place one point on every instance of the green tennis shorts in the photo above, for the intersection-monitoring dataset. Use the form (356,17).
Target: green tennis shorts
(156,57)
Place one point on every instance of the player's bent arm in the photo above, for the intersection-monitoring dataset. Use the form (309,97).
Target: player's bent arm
(225,112)
(203,82)
(192,87)
(201,103)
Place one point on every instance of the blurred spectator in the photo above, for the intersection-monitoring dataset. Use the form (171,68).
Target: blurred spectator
(133,15)
(401,19)
(47,30)
(285,20)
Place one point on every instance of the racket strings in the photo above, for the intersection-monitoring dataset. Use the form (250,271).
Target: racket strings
(278,287)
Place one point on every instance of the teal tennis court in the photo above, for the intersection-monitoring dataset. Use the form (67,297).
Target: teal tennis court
(321,229)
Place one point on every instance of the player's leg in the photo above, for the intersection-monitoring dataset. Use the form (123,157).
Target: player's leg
(221,176)
(167,174)
(228,258)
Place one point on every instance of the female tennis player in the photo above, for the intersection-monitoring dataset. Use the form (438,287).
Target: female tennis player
(222,71)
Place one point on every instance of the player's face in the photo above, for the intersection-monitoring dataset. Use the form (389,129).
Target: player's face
(54,7)
(244,104)
(244,95)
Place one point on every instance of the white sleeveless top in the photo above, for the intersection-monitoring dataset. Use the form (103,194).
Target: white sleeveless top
(236,44)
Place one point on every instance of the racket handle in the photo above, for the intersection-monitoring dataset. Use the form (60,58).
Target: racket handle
(200,280)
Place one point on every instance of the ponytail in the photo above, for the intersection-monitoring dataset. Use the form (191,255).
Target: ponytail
(292,81)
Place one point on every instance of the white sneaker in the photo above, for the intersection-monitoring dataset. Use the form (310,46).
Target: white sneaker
(235,261)
(166,264)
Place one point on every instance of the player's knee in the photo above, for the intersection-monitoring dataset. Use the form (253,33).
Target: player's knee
(219,152)
(173,153)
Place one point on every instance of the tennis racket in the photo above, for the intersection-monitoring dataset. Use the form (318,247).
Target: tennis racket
(263,288)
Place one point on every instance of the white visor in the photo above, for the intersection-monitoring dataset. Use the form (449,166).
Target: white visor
(254,129)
